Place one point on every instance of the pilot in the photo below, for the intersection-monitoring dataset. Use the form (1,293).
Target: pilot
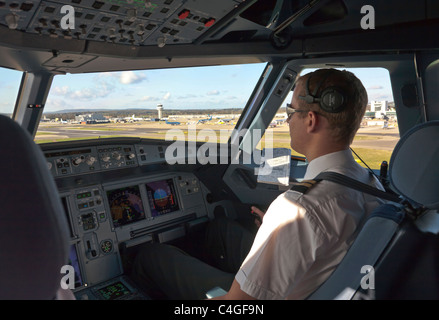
(304,234)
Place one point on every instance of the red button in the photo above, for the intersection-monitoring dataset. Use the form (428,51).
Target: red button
(184,14)
(209,22)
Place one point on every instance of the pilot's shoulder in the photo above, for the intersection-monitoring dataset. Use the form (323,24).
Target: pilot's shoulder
(298,189)
(315,190)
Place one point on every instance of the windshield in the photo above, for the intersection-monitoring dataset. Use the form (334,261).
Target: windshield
(378,133)
(9,85)
(147,103)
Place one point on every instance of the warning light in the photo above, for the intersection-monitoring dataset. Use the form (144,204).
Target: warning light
(183,14)
(35,106)
(209,22)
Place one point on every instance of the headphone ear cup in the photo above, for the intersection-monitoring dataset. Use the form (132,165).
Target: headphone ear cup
(332,100)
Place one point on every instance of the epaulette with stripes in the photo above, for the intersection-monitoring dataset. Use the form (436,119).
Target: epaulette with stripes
(303,186)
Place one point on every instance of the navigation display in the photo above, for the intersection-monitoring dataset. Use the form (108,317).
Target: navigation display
(162,197)
(125,205)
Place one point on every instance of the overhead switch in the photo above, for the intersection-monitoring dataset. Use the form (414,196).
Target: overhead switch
(209,22)
(183,14)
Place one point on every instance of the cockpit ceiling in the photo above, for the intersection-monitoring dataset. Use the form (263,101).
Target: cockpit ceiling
(173,22)
(173,33)
(132,22)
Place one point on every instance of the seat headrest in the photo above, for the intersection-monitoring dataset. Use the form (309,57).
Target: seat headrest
(414,168)
(33,226)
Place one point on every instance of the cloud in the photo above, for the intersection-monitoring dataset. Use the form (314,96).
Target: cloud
(100,90)
(380,97)
(376,87)
(213,93)
(149,98)
(125,77)
(187,96)
(129,77)
(54,104)
(60,91)
(167,96)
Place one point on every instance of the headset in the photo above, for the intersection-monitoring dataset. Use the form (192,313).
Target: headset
(332,99)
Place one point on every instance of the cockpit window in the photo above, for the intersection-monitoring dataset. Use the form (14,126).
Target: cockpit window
(9,85)
(147,104)
(379,132)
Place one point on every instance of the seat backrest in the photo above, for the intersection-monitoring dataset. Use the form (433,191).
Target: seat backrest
(375,235)
(413,167)
(385,243)
(33,226)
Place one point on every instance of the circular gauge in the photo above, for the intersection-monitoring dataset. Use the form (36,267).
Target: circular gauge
(106,246)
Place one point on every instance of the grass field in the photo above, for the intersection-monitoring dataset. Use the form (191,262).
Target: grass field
(372,157)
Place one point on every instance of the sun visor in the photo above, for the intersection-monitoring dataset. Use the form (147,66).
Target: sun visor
(414,165)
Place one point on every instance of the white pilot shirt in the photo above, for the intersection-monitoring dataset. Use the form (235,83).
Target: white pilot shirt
(304,237)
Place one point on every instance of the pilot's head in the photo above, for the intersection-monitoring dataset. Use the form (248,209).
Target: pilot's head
(337,96)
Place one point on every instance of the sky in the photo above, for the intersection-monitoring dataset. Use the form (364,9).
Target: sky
(185,88)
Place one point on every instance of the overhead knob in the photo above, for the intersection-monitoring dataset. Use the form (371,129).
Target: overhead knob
(90,160)
(76,161)
(12,21)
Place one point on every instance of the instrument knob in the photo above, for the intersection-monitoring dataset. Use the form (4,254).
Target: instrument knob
(77,161)
(90,160)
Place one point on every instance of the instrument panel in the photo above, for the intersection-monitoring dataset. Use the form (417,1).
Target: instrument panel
(120,209)
(73,161)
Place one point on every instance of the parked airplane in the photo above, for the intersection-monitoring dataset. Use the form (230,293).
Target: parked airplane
(173,123)
(226,120)
(204,120)
(133,118)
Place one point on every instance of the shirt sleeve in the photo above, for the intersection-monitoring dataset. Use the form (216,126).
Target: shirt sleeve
(284,249)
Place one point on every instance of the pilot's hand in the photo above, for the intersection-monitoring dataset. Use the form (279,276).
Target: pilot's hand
(259,215)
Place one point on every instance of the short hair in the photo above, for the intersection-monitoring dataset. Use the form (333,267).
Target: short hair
(346,123)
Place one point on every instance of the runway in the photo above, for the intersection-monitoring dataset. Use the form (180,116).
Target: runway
(367,137)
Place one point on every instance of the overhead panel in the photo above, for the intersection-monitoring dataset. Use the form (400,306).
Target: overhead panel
(130,22)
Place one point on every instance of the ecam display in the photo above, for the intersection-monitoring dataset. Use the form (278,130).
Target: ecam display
(114,291)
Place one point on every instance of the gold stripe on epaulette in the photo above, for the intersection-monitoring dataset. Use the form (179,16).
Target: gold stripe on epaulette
(303,186)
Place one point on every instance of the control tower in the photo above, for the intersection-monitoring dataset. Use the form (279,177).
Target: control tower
(160,111)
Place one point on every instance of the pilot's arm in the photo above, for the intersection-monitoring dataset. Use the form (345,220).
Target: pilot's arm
(284,249)
(235,293)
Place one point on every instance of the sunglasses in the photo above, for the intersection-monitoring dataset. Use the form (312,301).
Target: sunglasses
(290,111)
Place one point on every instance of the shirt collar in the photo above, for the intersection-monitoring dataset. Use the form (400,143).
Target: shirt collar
(327,161)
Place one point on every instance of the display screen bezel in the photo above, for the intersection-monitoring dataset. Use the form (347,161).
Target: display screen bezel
(170,183)
(76,264)
(65,204)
